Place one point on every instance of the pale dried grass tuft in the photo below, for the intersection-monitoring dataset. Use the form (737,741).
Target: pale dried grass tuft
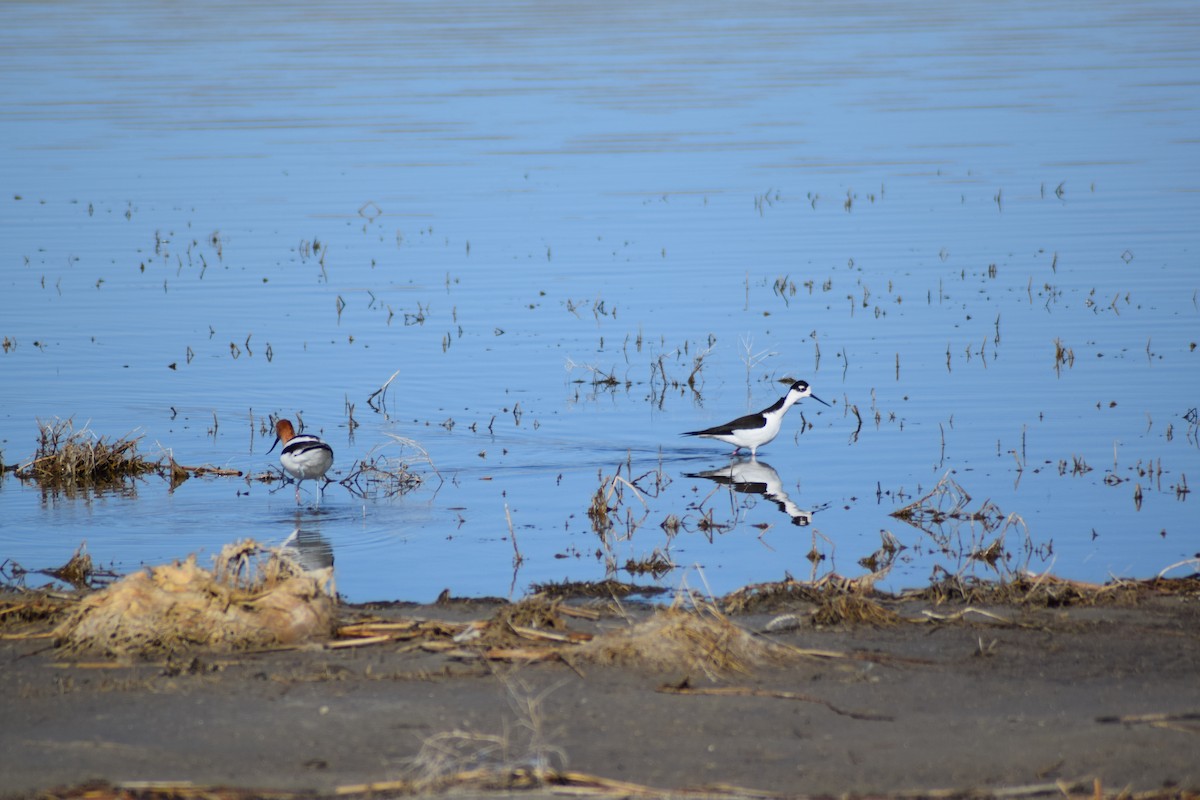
(676,640)
(253,597)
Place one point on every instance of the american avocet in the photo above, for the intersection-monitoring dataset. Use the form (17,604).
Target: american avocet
(755,430)
(303,456)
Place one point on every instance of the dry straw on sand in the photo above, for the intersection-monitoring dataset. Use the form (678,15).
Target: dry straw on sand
(253,597)
(702,641)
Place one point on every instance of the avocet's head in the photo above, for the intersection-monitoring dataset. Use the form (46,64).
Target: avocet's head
(283,432)
(801,389)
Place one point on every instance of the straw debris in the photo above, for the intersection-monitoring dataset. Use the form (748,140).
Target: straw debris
(253,597)
(673,640)
(31,609)
(837,600)
(839,609)
(78,570)
(68,460)
(1047,591)
(535,612)
(381,474)
(607,589)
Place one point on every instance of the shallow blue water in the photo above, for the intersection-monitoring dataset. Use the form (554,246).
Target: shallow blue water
(906,208)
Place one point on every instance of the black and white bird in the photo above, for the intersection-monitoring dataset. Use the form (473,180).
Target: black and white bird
(303,456)
(755,430)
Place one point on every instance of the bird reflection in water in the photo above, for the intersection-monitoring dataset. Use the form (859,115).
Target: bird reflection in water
(751,476)
(314,554)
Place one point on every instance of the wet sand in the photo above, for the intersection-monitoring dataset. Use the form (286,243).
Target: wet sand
(1003,699)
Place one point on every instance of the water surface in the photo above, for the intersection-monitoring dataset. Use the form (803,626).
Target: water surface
(541,216)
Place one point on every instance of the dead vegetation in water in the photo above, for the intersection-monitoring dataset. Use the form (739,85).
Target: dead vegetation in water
(253,597)
(615,519)
(657,564)
(945,502)
(68,460)
(78,571)
(382,473)
(978,537)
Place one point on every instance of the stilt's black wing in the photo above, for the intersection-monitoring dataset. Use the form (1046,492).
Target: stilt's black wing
(755,420)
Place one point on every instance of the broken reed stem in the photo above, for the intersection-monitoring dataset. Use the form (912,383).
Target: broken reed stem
(381,393)
(518,559)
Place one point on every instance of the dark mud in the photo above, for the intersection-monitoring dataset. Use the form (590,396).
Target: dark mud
(998,699)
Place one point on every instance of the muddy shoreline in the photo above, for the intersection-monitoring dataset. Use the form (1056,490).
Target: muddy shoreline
(947,697)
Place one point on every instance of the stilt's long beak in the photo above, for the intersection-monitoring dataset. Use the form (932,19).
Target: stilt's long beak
(813,396)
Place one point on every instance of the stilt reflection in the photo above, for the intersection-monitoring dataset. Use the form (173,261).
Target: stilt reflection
(751,476)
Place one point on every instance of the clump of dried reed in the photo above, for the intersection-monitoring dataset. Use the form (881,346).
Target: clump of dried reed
(382,474)
(607,588)
(1041,591)
(253,597)
(700,640)
(25,608)
(534,612)
(78,571)
(837,600)
(68,459)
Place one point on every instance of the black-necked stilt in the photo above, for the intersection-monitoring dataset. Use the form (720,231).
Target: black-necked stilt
(303,456)
(755,430)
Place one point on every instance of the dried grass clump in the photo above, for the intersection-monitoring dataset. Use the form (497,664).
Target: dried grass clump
(605,589)
(68,459)
(1035,591)
(677,640)
(535,612)
(252,598)
(78,571)
(382,474)
(770,596)
(855,609)
(1047,591)
(25,607)
(838,600)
